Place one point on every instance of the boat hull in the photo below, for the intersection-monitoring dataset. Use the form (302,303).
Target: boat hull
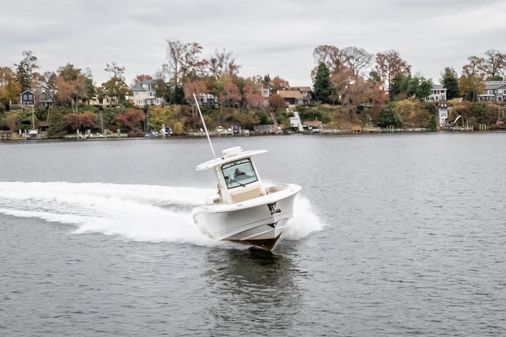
(259,222)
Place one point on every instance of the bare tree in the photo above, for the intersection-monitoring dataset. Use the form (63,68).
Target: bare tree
(495,64)
(329,55)
(357,59)
(389,64)
(222,63)
(25,70)
(116,70)
(183,60)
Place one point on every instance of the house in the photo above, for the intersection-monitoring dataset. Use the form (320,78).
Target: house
(103,101)
(144,93)
(438,94)
(494,91)
(27,98)
(45,98)
(291,97)
(307,94)
(208,99)
(296,95)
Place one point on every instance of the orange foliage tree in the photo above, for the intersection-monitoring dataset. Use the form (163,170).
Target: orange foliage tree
(131,120)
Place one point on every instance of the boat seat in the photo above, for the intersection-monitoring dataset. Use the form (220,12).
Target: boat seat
(248,194)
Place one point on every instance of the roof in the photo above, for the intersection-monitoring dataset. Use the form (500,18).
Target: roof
(302,89)
(290,94)
(491,85)
(138,85)
(436,86)
(229,155)
(45,98)
(31,92)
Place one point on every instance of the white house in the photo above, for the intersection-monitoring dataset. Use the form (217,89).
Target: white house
(144,93)
(438,94)
(208,99)
(105,101)
(494,91)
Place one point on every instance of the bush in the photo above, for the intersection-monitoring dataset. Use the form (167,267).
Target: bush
(132,120)
(263,117)
(319,112)
(158,117)
(57,126)
(389,117)
(245,119)
(482,113)
(474,113)
(80,121)
(178,128)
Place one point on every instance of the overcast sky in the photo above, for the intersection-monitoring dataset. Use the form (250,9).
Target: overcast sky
(266,37)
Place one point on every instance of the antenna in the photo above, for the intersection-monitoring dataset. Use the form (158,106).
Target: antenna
(205,127)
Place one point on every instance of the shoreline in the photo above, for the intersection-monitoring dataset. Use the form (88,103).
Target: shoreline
(199,136)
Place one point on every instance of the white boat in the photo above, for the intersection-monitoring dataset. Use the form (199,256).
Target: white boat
(244,209)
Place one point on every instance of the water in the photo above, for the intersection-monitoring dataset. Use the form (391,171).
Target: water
(393,235)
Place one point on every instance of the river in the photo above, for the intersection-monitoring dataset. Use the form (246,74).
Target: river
(393,235)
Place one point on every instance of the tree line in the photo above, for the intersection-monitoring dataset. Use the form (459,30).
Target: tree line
(354,84)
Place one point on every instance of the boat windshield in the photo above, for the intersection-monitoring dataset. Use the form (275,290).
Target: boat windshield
(239,173)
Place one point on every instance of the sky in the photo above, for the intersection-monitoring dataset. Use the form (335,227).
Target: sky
(266,37)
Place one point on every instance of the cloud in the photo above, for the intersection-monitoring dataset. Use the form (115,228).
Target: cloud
(275,37)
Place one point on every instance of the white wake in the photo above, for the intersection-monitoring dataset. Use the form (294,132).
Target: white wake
(134,212)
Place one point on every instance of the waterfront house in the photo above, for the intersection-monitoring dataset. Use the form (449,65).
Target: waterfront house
(45,98)
(27,98)
(296,95)
(494,91)
(291,97)
(208,99)
(438,94)
(144,93)
(307,94)
(104,101)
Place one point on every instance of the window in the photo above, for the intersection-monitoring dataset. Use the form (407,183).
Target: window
(239,173)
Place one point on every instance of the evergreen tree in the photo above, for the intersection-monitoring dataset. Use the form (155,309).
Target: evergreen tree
(398,86)
(450,81)
(322,83)
(407,86)
(423,89)
(91,91)
(25,69)
(179,95)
